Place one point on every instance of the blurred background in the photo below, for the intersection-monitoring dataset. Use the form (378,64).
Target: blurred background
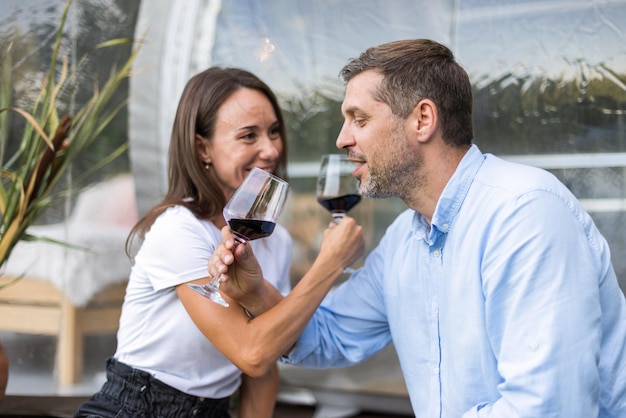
(549,79)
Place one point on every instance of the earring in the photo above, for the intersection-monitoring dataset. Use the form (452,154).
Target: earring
(207,166)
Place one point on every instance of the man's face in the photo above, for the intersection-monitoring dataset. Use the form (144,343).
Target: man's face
(375,140)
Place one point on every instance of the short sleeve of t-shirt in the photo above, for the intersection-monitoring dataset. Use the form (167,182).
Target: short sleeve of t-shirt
(177,248)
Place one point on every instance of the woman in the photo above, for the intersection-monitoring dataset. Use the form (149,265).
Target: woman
(178,353)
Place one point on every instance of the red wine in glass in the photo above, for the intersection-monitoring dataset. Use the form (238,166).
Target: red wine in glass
(339,204)
(251,213)
(337,190)
(250,229)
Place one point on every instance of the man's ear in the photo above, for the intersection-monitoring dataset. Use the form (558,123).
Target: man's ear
(202,148)
(425,119)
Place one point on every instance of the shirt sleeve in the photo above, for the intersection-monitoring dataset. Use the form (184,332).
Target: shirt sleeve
(540,281)
(176,249)
(351,324)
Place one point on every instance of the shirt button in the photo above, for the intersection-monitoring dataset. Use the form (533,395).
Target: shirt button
(436,370)
(436,253)
(445,227)
(533,345)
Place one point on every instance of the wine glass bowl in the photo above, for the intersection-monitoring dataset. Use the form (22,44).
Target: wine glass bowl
(251,213)
(337,190)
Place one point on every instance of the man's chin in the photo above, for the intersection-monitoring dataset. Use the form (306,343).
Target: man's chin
(374,191)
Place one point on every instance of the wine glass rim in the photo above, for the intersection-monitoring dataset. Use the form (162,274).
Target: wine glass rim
(271,175)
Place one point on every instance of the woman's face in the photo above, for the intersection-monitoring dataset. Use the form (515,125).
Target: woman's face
(247,135)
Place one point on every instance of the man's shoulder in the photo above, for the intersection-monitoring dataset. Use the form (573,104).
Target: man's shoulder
(516,178)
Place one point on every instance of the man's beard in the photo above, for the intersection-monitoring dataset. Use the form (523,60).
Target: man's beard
(396,173)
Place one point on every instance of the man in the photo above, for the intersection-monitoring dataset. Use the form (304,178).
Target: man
(495,286)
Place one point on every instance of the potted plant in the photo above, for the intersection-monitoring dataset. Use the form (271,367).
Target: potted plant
(49,144)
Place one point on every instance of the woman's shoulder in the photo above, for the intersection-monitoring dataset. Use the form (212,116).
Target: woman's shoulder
(181,221)
(176,213)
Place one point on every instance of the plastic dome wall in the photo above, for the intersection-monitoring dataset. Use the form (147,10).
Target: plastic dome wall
(177,44)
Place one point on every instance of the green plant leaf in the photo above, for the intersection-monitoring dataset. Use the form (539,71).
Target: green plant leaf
(50,144)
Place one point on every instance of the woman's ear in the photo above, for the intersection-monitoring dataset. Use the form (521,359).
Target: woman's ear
(202,148)
(425,119)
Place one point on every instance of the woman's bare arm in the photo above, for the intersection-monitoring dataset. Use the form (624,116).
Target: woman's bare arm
(257,395)
(254,344)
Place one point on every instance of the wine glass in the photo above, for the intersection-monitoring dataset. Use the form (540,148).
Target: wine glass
(251,213)
(337,190)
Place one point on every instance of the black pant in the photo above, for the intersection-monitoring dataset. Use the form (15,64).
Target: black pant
(134,393)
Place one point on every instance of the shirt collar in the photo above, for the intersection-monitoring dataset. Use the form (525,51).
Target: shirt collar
(452,196)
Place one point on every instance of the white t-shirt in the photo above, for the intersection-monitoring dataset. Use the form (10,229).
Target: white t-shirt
(156,334)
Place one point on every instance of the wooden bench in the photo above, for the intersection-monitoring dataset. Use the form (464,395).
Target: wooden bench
(35,306)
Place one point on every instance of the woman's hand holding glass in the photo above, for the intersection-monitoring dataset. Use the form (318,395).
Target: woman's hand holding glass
(245,278)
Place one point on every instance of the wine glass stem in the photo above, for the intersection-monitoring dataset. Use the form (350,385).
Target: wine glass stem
(215,282)
(338,216)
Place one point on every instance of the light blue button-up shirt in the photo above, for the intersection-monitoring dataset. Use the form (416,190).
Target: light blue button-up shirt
(506,306)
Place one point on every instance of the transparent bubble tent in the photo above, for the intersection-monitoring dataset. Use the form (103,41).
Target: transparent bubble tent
(549,82)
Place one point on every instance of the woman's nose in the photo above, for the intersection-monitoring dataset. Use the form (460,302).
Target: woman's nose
(271,149)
